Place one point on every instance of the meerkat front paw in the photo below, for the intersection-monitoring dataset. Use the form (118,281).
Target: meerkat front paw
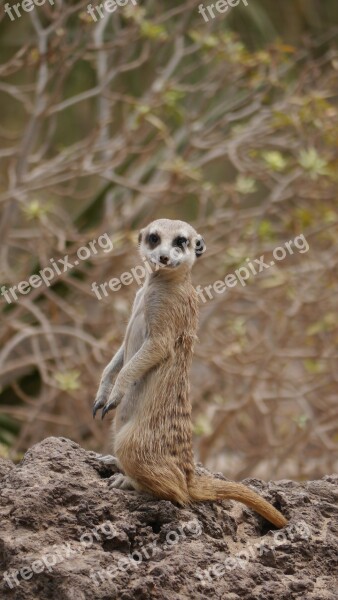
(99,402)
(113,400)
(101,397)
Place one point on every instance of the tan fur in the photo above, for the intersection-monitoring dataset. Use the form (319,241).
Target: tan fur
(152,427)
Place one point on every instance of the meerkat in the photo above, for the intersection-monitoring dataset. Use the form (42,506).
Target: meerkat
(152,429)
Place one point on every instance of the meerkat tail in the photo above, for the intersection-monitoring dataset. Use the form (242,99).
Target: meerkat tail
(208,488)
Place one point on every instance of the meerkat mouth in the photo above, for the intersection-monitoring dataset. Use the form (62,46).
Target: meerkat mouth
(169,265)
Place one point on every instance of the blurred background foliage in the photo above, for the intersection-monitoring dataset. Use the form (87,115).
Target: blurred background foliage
(151,112)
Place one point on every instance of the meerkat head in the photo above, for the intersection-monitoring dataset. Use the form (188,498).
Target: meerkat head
(170,244)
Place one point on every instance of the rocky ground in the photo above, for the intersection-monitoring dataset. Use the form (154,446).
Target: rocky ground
(65,536)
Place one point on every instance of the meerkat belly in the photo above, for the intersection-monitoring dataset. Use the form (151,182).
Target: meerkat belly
(142,393)
(126,410)
(157,410)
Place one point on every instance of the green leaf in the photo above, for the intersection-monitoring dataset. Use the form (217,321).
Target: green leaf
(206,41)
(305,216)
(245,185)
(202,427)
(152,31)
(265,230)
(34,210)
(275,160)
(238,326)
(313,163)
(172,97)
(182,168)
(68,381)
(328,323)
(301,421)
(314,366)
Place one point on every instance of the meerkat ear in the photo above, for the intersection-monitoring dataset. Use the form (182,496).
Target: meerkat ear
(140,236)
(200,246)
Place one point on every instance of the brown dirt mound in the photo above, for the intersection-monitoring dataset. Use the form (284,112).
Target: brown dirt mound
(65,536)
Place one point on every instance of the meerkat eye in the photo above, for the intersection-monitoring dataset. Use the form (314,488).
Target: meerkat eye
(153,239)
(181,242)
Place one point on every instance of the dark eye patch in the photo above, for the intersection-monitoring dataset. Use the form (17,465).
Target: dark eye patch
(181,242)
(153,240)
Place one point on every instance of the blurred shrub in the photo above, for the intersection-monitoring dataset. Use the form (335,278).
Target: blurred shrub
(232,125)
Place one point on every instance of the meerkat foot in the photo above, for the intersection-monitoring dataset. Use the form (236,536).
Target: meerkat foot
(121,482)
(108,461)
(94,455)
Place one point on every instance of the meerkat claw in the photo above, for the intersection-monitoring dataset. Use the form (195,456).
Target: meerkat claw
(114,400)
(97,405)
(109,406)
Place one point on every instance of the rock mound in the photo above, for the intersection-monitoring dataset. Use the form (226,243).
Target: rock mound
(65,536)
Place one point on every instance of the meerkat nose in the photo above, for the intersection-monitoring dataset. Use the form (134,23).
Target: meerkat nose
(164,260)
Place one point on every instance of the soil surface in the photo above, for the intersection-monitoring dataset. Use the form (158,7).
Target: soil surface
(65,536)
